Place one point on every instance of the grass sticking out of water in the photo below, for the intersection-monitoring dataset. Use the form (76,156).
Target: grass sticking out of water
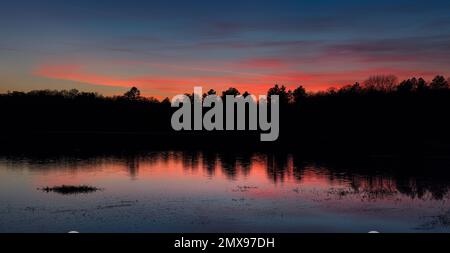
(71,189)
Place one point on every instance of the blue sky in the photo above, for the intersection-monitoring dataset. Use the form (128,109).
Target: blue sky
(167,47)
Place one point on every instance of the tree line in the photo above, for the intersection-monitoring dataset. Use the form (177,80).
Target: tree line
(374,84)
(379,114)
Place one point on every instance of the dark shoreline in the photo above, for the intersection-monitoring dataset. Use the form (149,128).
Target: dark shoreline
(402,119)
(224,142)
(219,141)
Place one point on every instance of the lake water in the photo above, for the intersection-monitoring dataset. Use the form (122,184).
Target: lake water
(175,191)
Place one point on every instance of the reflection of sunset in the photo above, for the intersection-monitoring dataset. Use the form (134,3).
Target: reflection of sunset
(207,191)
(260,175)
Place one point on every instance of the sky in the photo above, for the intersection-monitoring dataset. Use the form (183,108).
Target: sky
(167,47)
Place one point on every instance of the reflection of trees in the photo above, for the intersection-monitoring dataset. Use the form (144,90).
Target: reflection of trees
(298,167)
(132,164)
(377,178)
(381,178)
(414,188)
(229,165)
(165,156)
(245,163)
(277,167)
(190,159)
(210,162)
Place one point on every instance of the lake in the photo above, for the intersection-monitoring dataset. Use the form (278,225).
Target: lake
(194,191)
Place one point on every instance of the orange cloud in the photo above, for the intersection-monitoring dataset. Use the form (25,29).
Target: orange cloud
(77,74)
(161,86)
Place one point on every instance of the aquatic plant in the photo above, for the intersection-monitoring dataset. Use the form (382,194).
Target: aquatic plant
(70,189)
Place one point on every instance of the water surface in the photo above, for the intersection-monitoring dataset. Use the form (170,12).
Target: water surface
(174,191)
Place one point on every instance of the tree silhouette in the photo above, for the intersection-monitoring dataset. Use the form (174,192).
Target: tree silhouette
(438,83)
(361,116)
(209,93)
(351,89)
(299,94)
(231,92)
(212,92)
(133,94)
(166,101)
(421,85)
(246,94)
(284,95)
(381,82)
(406,86)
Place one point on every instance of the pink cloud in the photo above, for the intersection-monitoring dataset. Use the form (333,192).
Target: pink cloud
(161,86)
(77,74)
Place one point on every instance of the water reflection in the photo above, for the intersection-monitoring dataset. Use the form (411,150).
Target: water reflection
(285,188)
(383,177)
